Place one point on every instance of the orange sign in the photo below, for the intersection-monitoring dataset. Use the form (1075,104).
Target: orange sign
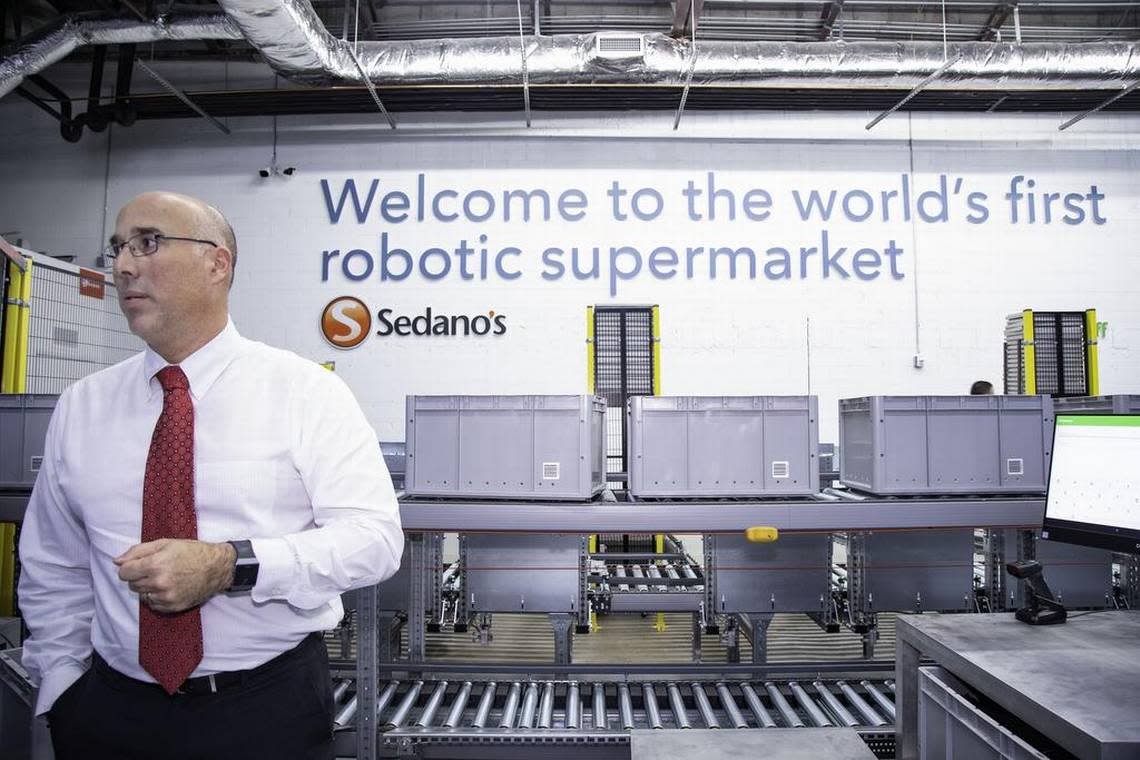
(92,283)
(345,322)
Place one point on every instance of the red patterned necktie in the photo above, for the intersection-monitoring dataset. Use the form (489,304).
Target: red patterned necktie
(170,646)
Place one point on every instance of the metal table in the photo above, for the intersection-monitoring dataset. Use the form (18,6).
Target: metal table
(1074,683)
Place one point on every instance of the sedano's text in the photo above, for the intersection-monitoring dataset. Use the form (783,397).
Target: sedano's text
(429,324)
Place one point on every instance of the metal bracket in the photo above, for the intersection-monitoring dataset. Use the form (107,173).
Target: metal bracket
(917,89)
(15,257)
(182,96)
(1096,108)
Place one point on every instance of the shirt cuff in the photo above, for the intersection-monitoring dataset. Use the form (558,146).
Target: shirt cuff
(56,682)
(276,568)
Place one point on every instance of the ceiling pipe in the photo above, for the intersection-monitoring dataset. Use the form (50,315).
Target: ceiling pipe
(296,44)
(56,41)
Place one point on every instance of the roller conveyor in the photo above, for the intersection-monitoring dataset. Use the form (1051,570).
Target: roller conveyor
(677,585)
(886,705)
(510,711)
(670,574)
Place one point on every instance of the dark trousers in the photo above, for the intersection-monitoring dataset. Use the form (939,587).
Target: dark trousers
(279,711)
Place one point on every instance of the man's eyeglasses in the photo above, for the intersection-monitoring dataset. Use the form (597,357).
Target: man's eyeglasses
(147,244)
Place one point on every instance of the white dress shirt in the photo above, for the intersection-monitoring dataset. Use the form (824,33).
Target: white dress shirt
(283,455)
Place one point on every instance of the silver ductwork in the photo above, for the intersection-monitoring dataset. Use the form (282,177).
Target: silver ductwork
(56,41)
(294,41)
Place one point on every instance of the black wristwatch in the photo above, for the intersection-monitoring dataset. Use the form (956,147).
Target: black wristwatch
(245,567)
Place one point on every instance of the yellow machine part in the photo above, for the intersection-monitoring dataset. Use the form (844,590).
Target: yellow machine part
(1091,348)
(14,374)
(7,569)
(761,534)
(1030,352)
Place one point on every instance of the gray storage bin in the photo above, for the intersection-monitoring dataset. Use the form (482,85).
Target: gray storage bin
(505,447)
(951,728)
(24,422)
(1117,404)
(945,444)
(720,446)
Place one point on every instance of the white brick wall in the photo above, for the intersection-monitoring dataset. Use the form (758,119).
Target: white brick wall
(718,337)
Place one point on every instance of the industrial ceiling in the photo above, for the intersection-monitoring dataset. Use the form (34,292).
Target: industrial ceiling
(393,56)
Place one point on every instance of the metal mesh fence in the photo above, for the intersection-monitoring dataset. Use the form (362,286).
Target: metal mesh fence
(1073,370)
(1059,338)
(72,332)
(1045,352)
(1014,355)
(1060,351)
(623,367)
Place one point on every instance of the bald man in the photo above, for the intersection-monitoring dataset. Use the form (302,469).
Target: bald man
(200,508)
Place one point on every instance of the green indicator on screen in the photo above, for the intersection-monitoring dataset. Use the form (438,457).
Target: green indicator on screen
(1101,420)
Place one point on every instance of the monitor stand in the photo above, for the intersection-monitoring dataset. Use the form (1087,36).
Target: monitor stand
(1042,607)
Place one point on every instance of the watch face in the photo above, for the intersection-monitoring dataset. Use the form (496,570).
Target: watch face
(245,566)
(245,576)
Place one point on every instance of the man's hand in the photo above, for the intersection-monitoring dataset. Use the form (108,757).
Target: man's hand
(171,575)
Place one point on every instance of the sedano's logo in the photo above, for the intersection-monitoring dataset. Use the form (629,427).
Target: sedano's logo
(430,323)
(346,322)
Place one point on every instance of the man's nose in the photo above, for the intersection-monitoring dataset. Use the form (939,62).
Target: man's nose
(125,265)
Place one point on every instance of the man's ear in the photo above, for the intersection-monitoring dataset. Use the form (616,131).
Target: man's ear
(223,264)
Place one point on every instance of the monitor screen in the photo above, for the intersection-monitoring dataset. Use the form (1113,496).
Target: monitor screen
(1094,482)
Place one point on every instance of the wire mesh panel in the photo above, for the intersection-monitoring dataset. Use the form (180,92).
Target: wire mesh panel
(623,367)
(1059,338)
(75,327)
(1014,355)
(1060,343)
(1073,369)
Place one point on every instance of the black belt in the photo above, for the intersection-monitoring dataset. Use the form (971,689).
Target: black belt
(217,682)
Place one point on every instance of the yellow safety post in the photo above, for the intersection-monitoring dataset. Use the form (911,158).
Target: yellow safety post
(590,349)
(659,547)
(1030,352)
(13,378)
(1094,360)
(655,342)
(7,569)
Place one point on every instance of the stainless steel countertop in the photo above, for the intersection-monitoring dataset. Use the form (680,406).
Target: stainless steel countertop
(1077,683)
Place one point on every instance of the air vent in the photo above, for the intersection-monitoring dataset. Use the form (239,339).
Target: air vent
(619,45)
(550,470)
(780,469)
(1014,467)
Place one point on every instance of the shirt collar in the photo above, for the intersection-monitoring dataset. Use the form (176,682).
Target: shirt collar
(202,367)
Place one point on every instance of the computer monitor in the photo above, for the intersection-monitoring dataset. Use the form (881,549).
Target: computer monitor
(1094,482)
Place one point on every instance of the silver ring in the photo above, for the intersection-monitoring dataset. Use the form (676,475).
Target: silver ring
(146,598)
